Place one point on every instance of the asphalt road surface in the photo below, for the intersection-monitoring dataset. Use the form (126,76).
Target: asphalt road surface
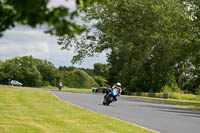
(159,117)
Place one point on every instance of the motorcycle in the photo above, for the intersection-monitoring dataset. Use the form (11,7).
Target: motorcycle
(110,96)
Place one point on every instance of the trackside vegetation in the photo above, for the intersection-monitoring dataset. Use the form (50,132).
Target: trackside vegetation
(34,72)
(153,44)
(82,90)
(192,104)
(183,100)
(37,111)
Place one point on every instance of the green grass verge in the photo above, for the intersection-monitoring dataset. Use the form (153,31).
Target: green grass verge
(24,111)
(182,103)
(69,89)
(189,97)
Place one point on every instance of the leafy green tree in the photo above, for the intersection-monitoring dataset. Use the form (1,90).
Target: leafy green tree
(114,67)
(71,68)
(28,70)
(100,80)
(147,40)
(2,74)
(78,79)
(35,72)
(11,69)
(60,20)
(89,71)
(47,71)
(64,68)
(23,69)
(101,70)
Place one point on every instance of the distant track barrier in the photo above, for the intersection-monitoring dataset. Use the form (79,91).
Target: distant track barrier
(99,90)
(94,90)
(157,95)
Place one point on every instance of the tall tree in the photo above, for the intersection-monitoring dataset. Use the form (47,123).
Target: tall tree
(147,39)
(2,74)
(23,69)
(101,70)
(47,71)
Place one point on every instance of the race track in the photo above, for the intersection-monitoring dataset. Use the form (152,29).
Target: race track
(159,117)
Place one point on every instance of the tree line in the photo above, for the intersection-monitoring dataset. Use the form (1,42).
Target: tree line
(36,73)
(154,45)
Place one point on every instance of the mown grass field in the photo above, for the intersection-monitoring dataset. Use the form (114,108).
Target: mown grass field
(34,111)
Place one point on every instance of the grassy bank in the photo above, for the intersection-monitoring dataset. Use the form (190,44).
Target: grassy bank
(181,103)
(36,111)
(69,89)
(188,97)
(64,89)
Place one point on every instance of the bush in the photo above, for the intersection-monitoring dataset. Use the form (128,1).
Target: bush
(166,89)
(197,91)
(184,96)
(100,80)
(173,89)
(45,83)
(78,79)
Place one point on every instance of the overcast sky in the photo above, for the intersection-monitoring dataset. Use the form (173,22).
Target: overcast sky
(23,40)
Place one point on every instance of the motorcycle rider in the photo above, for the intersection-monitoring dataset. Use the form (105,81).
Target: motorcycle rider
(112,93)
(119,90)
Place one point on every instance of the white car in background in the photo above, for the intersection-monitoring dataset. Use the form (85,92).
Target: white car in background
(15,83)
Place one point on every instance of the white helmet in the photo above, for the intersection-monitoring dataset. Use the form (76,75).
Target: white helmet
(118,84)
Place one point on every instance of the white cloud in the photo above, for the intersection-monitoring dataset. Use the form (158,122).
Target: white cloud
(22,41)
(66,3)
(38,49)
(10,49)
(43,47)
(7,49)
